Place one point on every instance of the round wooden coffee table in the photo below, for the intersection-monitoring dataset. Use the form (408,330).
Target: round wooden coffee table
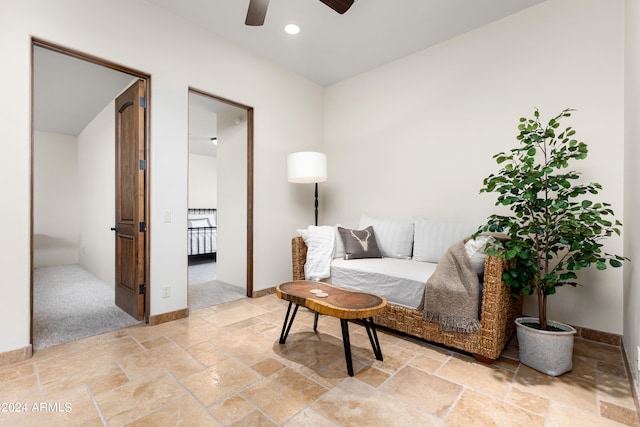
(337,302)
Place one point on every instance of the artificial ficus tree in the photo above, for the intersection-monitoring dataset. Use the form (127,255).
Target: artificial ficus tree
(555,227)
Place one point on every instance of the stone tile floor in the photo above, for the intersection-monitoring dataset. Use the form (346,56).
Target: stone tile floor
(224,366)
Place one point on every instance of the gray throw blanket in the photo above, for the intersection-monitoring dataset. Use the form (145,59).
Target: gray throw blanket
(451,293)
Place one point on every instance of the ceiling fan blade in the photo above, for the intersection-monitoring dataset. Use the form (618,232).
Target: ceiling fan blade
(340,6)
(256,12)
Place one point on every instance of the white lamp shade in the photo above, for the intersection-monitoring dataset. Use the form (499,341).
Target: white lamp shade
(306,167)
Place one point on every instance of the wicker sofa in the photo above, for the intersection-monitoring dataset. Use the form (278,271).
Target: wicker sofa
(497,317)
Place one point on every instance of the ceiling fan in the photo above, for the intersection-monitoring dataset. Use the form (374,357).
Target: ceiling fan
(258,9)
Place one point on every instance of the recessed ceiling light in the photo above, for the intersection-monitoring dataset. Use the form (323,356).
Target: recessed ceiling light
(292,29)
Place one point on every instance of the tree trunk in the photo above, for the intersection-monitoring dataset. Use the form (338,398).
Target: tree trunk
(542,309)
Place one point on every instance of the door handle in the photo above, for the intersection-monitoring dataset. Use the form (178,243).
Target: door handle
(114,229)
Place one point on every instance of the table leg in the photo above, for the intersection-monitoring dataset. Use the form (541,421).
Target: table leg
(315,322)
(373,337)
(347,345)
(286,328)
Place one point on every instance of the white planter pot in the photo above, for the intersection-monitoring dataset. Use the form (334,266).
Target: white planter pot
(545,351)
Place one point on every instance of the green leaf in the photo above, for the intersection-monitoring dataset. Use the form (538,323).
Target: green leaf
(615,263)
(554,231)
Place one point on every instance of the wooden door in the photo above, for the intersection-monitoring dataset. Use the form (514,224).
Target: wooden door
(131,223)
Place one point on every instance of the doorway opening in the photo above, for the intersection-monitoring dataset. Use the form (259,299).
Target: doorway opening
(220,199)
(73,194)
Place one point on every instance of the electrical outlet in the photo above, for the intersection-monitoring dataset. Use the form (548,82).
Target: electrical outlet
(166,292)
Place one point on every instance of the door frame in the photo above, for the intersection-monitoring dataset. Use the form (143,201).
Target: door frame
(36,42)
(250,161)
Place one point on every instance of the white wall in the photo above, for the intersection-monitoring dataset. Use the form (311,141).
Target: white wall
(289,117)
(632,190)
(203,181)
(55,200)
(231,255)
(417,136)
(96,169)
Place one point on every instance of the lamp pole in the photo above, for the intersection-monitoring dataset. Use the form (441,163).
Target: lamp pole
(316,203)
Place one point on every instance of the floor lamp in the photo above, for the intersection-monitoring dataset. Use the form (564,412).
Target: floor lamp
(307,167)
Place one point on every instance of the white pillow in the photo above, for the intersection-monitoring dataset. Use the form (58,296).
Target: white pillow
(475,249)
(395,237)
(433,238)
(210,218)
(199,223)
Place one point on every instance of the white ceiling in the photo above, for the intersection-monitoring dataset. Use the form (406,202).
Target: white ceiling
(332,47)
(68,92)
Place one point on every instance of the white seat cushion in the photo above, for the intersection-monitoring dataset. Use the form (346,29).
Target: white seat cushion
(401,282)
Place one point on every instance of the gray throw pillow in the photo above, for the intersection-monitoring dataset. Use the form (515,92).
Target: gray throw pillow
(359,243)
